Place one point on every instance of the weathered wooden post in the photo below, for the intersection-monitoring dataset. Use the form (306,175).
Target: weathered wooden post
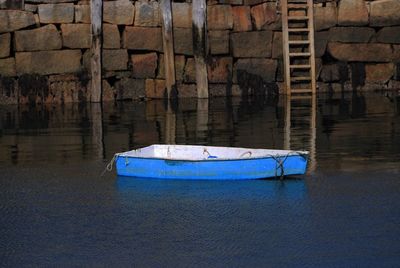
(168,47)
(199,15)
(96,32)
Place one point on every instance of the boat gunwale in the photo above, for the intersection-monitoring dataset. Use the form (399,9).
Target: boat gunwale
(303,154)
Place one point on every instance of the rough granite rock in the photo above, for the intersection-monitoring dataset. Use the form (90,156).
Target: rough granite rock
(12,20)
(150,38)
(371,52)
(390,35)
(48,62)
(330,73)
(265,16)
(111,36)
(182,15)
(43,38)
(351,34)
(220,70)
(56,13)
(219,17)
(380,73)
(353,13)
(325,17)
(251,44)
(144,65)
(76,35)
(187,90)
(218,42)
(7,67)
(189,75)
(183,41)
(115,59)
(385,13)
(147,14)
(259,68)
(130,89)
(5,42)
(277,45)
(241,19)
(120,12)
(82,13)
(48,1)
(320,43)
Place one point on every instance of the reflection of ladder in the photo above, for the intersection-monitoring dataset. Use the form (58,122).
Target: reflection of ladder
(301,126)
(298,46)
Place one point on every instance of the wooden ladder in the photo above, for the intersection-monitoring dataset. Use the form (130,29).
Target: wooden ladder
(298,47)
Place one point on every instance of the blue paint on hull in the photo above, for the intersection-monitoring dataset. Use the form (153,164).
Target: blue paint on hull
(243,169)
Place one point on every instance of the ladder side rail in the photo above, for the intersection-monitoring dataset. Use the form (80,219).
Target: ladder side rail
(285,38)
(310,13)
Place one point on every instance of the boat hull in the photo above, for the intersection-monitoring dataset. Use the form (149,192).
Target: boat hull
(241,169)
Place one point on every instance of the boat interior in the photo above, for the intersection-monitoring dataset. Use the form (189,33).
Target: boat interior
(198,152)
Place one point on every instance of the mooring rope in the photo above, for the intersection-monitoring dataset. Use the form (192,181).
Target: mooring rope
(279,163)
(109,166)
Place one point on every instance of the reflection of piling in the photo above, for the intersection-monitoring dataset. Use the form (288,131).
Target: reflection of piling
(170,126)
(202,119)
(97,129)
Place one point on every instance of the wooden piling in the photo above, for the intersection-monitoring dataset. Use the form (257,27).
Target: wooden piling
(96,7)
(199,16)
(168,47)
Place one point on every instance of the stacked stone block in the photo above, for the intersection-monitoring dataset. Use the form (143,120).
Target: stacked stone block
(51,39)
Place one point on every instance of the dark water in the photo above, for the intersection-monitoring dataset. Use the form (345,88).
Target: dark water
(56,209)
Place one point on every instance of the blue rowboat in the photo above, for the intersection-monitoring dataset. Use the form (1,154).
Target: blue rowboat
(209,163)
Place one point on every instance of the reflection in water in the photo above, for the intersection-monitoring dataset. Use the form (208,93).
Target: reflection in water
(202,119)
(290,190)
(56,209)
(301,126)
(330,125)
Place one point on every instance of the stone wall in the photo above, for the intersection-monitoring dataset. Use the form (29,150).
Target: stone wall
(45,55)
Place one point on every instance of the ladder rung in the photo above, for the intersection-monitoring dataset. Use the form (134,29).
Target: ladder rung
(301,78)
(297,6)
(300,54)
(301,97)
(301,90)
(300,66)
(299,42)
(298,18)
(297,30)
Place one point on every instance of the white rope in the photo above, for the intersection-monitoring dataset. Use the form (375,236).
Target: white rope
(109,166)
